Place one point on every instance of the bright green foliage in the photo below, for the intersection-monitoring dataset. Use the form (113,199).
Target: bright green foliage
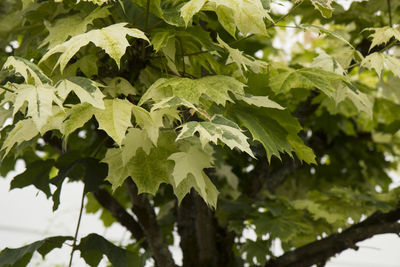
(27,69)
(71,26)
(324,6)
(231,14)
(86,90)
(219,128)
(215,88)
(383,35)
(23,130)
(191,162)
(285,123)
(242,61)
(379,61)
(40,100)
(112,39)
(115,118)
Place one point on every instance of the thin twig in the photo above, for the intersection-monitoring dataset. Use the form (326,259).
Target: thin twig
(7,89)
(77,228)
(390,13)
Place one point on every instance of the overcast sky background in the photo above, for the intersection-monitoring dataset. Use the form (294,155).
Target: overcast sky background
(26,216)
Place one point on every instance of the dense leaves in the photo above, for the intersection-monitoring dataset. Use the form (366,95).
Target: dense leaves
(208,118)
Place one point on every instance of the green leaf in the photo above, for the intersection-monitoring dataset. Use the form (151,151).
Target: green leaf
(97,2)
(93,247)
(135,139)
(216,88)
(171,102)
(148,170)
(85,89)
(259,101)
(24,130)
(275,129)
(307,78)
(152,121)
(115,118)
(210,195)
(192,161)
(244,62)
(77,116)
(247,16)
(119,86)
(27,69)
(219,128)
(383,35)
(324,6)
(40,100)
(189,172)
(111,39)
(379,61)
(37,173)
(19,257)
(71,26)
(161,37)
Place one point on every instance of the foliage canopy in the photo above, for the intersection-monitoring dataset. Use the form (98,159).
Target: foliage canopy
(194,115)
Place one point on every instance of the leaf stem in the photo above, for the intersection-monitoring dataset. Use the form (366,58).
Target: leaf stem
(77,228)
(7,89)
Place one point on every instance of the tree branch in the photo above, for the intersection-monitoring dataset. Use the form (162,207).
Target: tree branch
(148,222)
(320,251)
(119,213)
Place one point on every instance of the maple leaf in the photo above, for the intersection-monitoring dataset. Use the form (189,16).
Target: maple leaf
(24,130)
(71,26)
(115,118)
(219,128)
(27,69)
(148,170)
(379,61)
(152,121)
(119,86)
(85,89)
(383,35)
(307,78)
(210,194)
(40,101)
(77,116)
(135,139)
(112,39)
(216,88)
(324,6)
(193,161)
(275,129)
(188,172)
(259,101)
(242,61)
(247,15)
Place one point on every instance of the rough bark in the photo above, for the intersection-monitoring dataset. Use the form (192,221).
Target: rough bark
(143,210)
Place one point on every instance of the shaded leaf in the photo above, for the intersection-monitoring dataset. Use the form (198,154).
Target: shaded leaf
(19,257)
